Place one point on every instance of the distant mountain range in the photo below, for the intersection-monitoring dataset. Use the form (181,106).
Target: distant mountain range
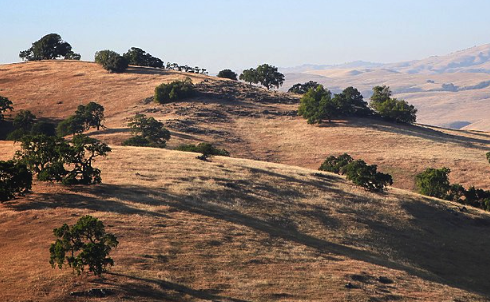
(451,90)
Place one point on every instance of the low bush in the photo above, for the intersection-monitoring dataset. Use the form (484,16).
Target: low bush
(228,74)
(434,182)
(204,148)
(174,91)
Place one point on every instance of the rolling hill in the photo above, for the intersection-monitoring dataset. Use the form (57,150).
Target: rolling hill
(264,225)
(241,230)
(450,91)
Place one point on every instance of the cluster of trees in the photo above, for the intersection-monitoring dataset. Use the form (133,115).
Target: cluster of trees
(318,105)
(435,183)
(85,117)
(357,171)
(49,47)
(174,91)
(303,88)
(186,68)
(85,245)
(265,75)
(139,57)
(25,123)
(147,132)
(228,74)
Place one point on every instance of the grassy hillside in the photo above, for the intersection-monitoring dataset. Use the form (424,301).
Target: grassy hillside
(249,122)
(242,230)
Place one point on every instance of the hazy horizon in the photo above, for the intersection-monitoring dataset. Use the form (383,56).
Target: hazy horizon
(240,34)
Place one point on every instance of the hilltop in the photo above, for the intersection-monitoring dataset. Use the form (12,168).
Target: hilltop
(242,230)
(248,121)
(450,90)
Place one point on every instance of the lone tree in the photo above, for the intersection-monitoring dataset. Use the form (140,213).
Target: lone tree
(303,88)
(434,182)
(392,108)
(317,105)
(15,179)
(111,61)
(5,104)
(137,56)
(92,115)
(148,132)
(336,164)
(227,74)
(85,245)
(269,77)
(49,47)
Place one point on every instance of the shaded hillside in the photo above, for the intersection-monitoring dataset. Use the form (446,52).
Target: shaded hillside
(241,230)
(249,122)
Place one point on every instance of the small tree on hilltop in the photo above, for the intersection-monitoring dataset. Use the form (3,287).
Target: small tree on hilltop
(111,61)
(392,108)
(434,182)
(317,105)
(15,179)
(227,74)
(350,102)
(83,245)
(49,47)
(137,56)
(5,105)
(269,77)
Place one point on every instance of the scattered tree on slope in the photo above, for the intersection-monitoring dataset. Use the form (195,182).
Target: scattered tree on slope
(49,47)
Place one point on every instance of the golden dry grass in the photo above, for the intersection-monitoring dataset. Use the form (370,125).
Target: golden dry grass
(240,230)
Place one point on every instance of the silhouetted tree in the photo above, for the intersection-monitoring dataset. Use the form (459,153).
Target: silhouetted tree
(249,76)
(111,60)
(366,176)
(317,105)
(227,74)
(303,88)
(269,77)
(137,56)
(5,105)
(49,47)
(15,179)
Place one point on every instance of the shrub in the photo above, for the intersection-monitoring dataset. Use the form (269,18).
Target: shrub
(111,60)
(434,182)
(317,105)
(336,164)
(15,179)
(174,91)
(85,244)
(227,74)
(204,148)
(150,130)
(49,47)
(367,176)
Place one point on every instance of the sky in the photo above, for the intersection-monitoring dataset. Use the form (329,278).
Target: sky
(239,34)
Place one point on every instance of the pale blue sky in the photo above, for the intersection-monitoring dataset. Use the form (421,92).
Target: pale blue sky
(217,34)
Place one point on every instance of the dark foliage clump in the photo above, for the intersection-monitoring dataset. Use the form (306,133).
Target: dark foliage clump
(148,132)
(49,47)
(303,88)
(111,60)
(15,179)
(366,176)
(174,91)
(206,149)
(336,164)
(227,74)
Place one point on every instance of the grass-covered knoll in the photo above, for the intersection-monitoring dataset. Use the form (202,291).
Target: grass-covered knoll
(245,231)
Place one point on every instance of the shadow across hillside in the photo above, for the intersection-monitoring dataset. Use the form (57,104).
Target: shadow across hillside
(436,244)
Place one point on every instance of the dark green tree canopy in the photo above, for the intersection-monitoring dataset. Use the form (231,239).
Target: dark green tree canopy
(111,60)
(174,91)
(148,132)
(5,105)
(350,102)
(269,77)
(336,164)
(85,245)
(250,76)
(317,105)
(204,148)
(137,56)
(92,115)
(24,120)
(366,176)
(392,108)
(303,88)
(49,47)
(433,182)
(227,74)
(15,179)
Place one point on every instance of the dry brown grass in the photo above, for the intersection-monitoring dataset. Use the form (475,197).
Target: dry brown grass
(240,230)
